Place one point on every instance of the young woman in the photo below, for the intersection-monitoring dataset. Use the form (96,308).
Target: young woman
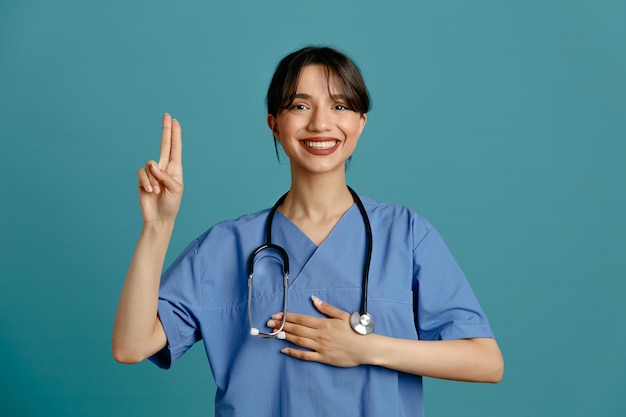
(375,299)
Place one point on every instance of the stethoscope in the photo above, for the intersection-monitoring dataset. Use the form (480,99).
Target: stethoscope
(361,321)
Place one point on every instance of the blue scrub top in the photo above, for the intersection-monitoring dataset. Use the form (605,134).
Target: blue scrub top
(416,291)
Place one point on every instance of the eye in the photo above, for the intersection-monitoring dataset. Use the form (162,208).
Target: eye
(297,107)
(342,107)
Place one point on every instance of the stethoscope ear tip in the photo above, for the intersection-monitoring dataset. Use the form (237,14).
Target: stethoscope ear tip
(254,331)
(281,335)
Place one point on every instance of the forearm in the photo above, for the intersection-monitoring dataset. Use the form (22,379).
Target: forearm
(477,360)
(137,331)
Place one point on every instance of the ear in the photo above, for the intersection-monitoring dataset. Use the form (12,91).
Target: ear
(272,123)
(362,123)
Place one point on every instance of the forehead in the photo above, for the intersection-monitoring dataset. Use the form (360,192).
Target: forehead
(315,76)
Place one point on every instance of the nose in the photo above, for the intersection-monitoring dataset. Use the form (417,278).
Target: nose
(320,120)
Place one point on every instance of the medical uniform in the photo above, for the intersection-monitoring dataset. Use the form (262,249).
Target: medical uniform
(416,291)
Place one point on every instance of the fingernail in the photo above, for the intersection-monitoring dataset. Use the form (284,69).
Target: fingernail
(316,300)
(157,189)
(271,324)
(277,316)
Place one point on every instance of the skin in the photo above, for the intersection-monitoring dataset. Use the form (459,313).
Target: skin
(317,199)
(137,330)
(318,196)
(332,341)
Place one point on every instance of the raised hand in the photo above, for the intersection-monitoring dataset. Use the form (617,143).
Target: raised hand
(161,183)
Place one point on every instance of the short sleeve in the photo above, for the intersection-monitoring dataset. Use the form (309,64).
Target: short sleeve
(445,305)
(180,302)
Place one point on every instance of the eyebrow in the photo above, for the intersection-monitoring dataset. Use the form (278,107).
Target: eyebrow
(308,96)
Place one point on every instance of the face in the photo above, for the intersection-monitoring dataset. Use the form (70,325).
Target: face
(318,131)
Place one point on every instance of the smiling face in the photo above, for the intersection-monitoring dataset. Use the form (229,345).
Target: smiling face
(318,130)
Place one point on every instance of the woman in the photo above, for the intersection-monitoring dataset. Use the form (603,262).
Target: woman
(427,320)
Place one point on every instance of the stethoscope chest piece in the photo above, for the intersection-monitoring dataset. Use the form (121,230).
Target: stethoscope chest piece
(362,323)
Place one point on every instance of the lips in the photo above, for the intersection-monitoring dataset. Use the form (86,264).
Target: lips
(320,146)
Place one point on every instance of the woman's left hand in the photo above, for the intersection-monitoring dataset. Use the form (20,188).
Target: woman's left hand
(329,340)
(332,341)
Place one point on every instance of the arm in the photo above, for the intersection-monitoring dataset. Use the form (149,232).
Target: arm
(137,330)
(476,360)
(332,341)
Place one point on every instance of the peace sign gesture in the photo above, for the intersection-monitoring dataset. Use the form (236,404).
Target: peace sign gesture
(161,184)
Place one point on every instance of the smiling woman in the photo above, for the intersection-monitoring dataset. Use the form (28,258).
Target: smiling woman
(317,129)
(428,321)
(340,72)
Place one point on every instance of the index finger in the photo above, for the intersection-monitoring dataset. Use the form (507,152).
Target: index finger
(166,140)
(303,320)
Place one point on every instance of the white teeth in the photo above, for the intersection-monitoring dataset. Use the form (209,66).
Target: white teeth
(320,145)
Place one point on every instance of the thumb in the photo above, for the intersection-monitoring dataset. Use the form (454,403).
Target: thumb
(327,309)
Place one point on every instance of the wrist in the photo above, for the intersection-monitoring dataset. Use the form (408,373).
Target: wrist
(158,227)
(373,349)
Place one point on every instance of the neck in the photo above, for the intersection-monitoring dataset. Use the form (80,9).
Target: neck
(317,199)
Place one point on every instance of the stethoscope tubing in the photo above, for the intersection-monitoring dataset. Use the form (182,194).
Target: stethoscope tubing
(368,249)
(285,258)
(360,321)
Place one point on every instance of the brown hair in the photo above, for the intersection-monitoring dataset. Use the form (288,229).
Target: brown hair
(284,83)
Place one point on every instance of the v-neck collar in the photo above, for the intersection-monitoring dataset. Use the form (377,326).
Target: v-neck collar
(300,248)
(287,220)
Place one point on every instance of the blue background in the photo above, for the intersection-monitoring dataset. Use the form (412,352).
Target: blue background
(500,122)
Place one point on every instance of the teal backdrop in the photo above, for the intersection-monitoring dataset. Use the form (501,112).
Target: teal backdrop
(502,122)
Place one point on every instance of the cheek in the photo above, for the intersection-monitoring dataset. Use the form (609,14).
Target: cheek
(352,130)
(286,128)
